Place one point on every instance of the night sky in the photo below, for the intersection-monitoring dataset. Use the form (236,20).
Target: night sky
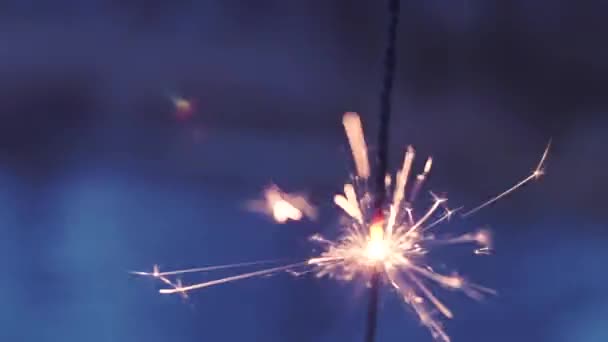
(99,175)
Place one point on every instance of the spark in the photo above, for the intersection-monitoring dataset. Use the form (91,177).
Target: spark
(356,138)
(157,274)
(392,242)
(184,108)
(273,270)
(282,206)
(538,171)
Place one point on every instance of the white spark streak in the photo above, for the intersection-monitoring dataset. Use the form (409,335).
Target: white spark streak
(356,139)
(539,171)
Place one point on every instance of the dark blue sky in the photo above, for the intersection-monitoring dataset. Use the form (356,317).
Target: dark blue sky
(97,177)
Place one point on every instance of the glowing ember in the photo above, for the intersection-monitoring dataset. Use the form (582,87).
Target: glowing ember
(184,108)
(282,206)
(392,243)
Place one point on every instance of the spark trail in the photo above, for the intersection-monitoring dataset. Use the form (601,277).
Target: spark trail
(392,245)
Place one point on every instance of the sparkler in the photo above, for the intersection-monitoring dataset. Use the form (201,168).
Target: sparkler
(387,247)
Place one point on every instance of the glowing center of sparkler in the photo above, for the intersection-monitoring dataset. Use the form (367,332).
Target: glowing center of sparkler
(377,250)
(377,247)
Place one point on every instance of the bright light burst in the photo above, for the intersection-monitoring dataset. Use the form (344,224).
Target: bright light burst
(392,242)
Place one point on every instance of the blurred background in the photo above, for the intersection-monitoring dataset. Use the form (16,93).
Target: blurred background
(133,133)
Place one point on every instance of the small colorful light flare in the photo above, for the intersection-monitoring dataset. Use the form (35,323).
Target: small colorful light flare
(184,108)
(392,242)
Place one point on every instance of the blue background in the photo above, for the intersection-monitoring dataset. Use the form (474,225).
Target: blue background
(98,177)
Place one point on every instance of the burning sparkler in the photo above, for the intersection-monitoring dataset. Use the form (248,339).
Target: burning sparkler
(390,243)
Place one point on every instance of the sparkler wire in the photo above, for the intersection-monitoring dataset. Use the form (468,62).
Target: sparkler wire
(385,101)
(383,142)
